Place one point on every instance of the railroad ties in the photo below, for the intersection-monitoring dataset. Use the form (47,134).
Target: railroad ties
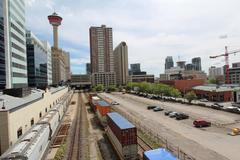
(142,145)
(79,142)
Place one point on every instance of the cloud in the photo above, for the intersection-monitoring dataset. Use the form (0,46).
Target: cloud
(79,61)
(153,29)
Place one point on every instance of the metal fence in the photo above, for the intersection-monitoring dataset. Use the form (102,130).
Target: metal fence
(156,137)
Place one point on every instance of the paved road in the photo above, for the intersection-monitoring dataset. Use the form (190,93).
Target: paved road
(204,144)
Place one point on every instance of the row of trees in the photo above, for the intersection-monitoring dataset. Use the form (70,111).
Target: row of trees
(150,88)
(100,88)
(154,88)
(160,89)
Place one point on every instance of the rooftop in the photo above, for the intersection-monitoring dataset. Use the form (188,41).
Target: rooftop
(217,88)
(120,121)
(103,103)
(159,154)
(10,103)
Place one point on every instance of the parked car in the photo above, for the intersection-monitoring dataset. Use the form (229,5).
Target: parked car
(201,123)
(156,109)
(167,113)
(180,116)
(203,100)
(172,114)
(232,109)
(115,103)
(151,107)
(216,106)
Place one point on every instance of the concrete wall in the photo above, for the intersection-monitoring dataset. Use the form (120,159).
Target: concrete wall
(22,117)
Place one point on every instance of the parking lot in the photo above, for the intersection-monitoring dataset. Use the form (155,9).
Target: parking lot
(206,143)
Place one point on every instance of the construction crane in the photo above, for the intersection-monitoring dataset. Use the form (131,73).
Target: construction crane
(226,54)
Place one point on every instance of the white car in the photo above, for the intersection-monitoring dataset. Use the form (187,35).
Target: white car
(203,100)
(115,103)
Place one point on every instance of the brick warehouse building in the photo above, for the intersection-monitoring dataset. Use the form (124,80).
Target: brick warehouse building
(216,93)
(184,85)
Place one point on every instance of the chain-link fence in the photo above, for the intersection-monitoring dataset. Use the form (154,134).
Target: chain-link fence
(156,137)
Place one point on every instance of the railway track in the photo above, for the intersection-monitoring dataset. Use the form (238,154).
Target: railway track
(143,146)
(79,143)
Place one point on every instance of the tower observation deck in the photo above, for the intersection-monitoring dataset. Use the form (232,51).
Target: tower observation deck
(55,20)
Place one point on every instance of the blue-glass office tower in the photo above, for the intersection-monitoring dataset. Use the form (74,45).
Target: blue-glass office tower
(37,61)
(2,50)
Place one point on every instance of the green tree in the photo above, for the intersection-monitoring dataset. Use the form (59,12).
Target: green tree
(99,87)
(212,81)
(175,93)
(190,96)
(112,88)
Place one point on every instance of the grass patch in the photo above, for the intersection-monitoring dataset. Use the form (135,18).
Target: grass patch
(149,139)
(60,152)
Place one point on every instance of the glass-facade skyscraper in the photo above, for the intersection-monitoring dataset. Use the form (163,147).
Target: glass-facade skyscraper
(169,62)
(13,12)
(2,50)
(37,61)
(197,63)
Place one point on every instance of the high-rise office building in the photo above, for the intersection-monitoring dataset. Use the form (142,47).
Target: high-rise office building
(2,49)
(37,60)
(47,47)
(135,67)
(121,63)
(197,63)
(60,71)
(88,68)
(13,51)
(189,67)
(101,55)
(67,66)
(169,62)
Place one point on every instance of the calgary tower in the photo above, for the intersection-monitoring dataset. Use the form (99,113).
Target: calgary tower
(55,21)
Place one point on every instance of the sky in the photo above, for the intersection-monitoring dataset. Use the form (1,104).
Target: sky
(152,29)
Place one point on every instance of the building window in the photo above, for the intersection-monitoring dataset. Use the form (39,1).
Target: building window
(32,121)
(40,114)
(45,109)
(19,132)
(50,106)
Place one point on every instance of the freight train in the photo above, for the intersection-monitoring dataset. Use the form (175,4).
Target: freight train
(100,107)
(123,136)
(121,133)
(32,145)
(158,154)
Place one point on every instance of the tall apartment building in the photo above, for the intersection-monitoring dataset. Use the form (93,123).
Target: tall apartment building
(13,58)
(169,62)
(101,55)
(37,60)
(197,63)
(234,73)
(47,47)
(121,63)
(214,72)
